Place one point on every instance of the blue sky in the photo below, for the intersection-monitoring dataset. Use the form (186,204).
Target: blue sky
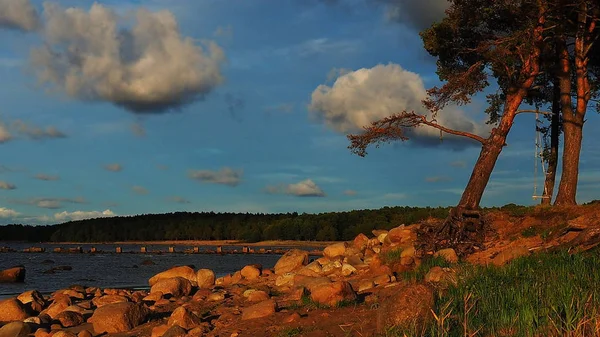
(223,111)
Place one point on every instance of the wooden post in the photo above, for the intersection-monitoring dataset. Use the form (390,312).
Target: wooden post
(171,249)
(143,249)
(93,250)
(119,250)
(245,249)
(196,249)
(219,249)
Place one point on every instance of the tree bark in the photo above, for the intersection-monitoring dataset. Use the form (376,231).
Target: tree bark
(573,120)
(553,155)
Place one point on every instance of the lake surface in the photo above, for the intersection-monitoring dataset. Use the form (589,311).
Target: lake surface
(110,270)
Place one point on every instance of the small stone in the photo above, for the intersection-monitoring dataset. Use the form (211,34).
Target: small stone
(348,270)
(84,333)
(365,285)
(184,318)
(205,278)
(335,250)
(214,297)
(69,319)
(294,317)
(15,329)
(160,330)
(258,296)
(175,331)
(332,293)
(251,272)
(64,333)
(259,310)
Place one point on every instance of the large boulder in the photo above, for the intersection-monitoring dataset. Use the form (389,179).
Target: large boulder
(409,308)
(292,260)
(175,331)
(13,310)
(332,293)
(69,319)
(184,318)
(205,278)
(58,306)
(15,329)
(34,298)
(402,235)
(182,271)
(108,299)
(360,241)
(251,272)
(177,286)
(335,250)
(259,310)
(12,275)
(118,317)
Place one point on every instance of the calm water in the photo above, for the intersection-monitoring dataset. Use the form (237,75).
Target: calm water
(108,269)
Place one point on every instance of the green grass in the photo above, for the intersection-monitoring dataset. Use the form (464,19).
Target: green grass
(392,256)
(547,294)
(290,332)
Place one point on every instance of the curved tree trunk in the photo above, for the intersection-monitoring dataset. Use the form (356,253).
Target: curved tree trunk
(553,155)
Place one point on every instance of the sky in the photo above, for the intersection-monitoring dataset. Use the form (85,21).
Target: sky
(123,107)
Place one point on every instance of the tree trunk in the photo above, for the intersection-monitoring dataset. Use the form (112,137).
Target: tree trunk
(573,121)
(553,155)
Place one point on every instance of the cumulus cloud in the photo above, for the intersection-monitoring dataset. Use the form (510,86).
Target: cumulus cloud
(179,200)
(145,66)
(224,176)
(305,188)
(360,97)
(116,167)
(35,132)
(5,135)
(82,215)
(140,190)
(7,186)
(419,14)
(7,213)
(18,14)
(46,177)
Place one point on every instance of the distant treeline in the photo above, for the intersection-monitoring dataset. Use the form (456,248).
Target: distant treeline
(223,226)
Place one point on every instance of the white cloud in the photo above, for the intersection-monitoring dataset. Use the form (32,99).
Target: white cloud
(5,135)
(305,188)
(224,176)
(35,132)
(18,14)
(116,167)
(7,213)
(140,190)
(7,186)
(363,96)
(81,215)
(145,66)
(50,203)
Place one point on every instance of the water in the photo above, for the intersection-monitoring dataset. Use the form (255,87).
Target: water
(111,270)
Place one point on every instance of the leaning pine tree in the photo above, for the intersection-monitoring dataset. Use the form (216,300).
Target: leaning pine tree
(475,41)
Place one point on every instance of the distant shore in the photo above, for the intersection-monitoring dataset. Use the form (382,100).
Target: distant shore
(271,243)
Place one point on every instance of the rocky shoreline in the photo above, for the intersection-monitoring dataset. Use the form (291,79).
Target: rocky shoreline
(356,288)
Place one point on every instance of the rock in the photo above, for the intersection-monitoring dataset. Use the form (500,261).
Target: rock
(76,308)
(409,308)
(381,238)
(41,332)
(69,319)
(175,331)
(408,252)
(256,296)
(360,241)
(12,310)
(63,333)
(236,278)
(401,235)
(214,297)
(184,318)
(118,317)
(108,299)
(34,298)
(407,260)
(294,317)
(199,331)
(12,275)
(284,279)
(153,297)
(58,306)
(510,254)
(177,286)
(332,293)
(292,260)
(182,271)
(331,267)
(335,250)
(354,260)
(205,278)
(15,329)
(378,232)
(310,282)
(448,254)
(84,333)
(442,276)
(259,310)
(73,294)
(348,270)
(381,279)
(160,330)
(365,285)
(251,272)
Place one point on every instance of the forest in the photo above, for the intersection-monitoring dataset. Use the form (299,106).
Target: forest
(223,226)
